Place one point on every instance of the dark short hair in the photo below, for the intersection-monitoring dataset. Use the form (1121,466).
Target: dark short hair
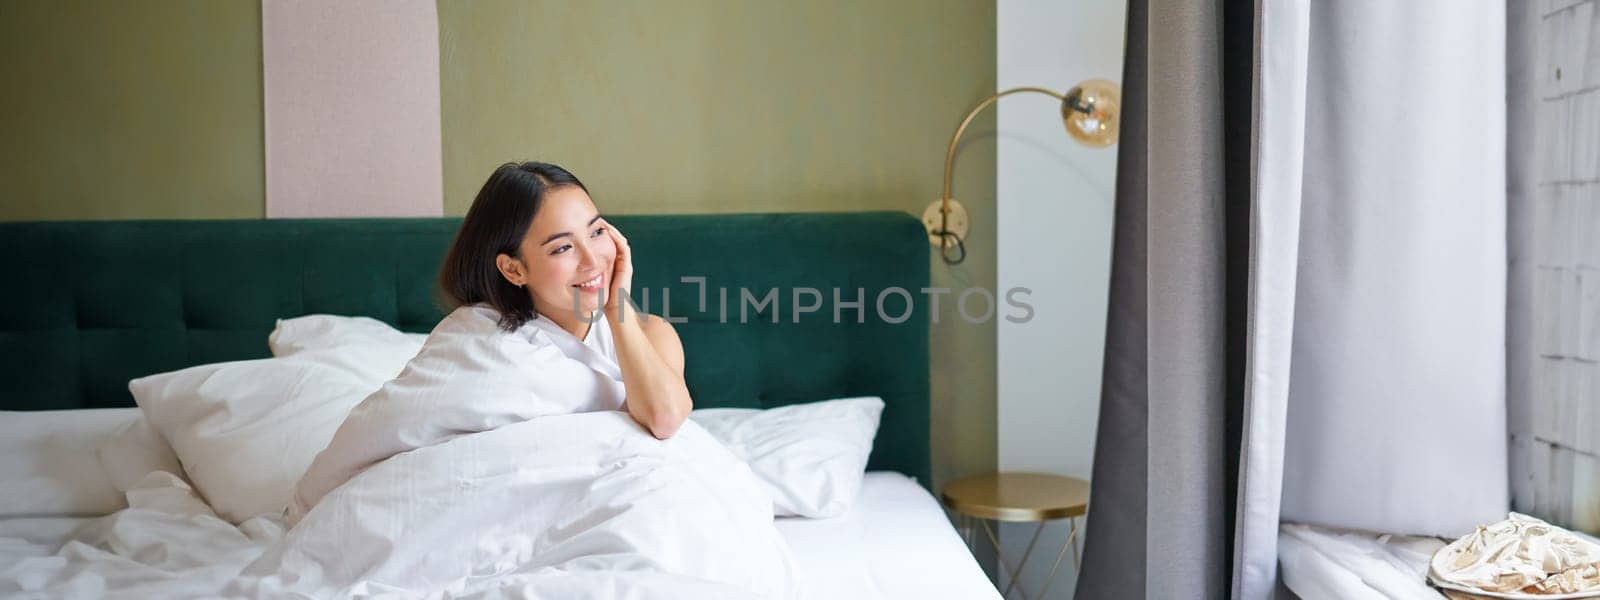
(495,225)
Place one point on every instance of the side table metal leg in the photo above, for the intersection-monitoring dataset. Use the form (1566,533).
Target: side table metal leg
(1000,554)
(1071,543)
(1076,562)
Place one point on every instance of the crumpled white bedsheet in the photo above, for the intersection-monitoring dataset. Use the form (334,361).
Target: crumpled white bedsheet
(895,543)
(640,520)
(168,543)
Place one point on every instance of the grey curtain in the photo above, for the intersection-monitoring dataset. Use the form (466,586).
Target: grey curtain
(1160,522)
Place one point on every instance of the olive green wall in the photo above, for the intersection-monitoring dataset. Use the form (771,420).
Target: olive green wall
(717,106)
(130,109)
(153,110)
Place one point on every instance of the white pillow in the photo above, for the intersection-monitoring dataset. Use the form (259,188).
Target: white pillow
(134,450)
(246,431)
(48,465)
(328,331)
(810,456)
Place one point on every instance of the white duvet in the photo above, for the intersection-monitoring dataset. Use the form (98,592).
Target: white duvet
(553,503)
(467,476)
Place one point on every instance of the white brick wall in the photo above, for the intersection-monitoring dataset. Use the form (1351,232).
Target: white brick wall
(1561,450)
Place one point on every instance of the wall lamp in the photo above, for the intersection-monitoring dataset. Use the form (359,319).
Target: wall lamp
(1090,111)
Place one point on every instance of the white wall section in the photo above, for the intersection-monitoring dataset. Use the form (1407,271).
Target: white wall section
(1055,200)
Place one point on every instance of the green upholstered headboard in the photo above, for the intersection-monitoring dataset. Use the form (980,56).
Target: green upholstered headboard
(89,305)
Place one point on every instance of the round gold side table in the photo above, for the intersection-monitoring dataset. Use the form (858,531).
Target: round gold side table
(1019,497)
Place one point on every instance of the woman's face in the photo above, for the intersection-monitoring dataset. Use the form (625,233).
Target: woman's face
(567,252)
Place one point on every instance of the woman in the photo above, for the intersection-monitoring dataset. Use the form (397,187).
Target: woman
(538,442)
(534,249)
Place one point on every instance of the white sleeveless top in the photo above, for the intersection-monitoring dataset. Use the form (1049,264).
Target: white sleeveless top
(597,350)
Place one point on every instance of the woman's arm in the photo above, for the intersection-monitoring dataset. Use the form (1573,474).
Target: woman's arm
(649,353)
(651,357)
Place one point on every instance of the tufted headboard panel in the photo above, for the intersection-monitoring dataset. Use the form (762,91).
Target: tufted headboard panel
(89,305)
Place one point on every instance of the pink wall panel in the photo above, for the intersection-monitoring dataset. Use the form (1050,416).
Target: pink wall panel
(352,108)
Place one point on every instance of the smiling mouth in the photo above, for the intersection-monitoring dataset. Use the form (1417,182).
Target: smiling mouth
(592,285)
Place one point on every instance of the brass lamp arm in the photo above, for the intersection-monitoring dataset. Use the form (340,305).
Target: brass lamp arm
(949,162)
(950,155)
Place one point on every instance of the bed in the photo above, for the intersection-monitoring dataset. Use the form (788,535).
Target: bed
(95,304)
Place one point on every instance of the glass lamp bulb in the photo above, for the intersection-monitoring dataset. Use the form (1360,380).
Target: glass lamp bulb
(1091,111)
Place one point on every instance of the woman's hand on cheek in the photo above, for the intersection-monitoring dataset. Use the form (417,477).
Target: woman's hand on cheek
(621,272)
